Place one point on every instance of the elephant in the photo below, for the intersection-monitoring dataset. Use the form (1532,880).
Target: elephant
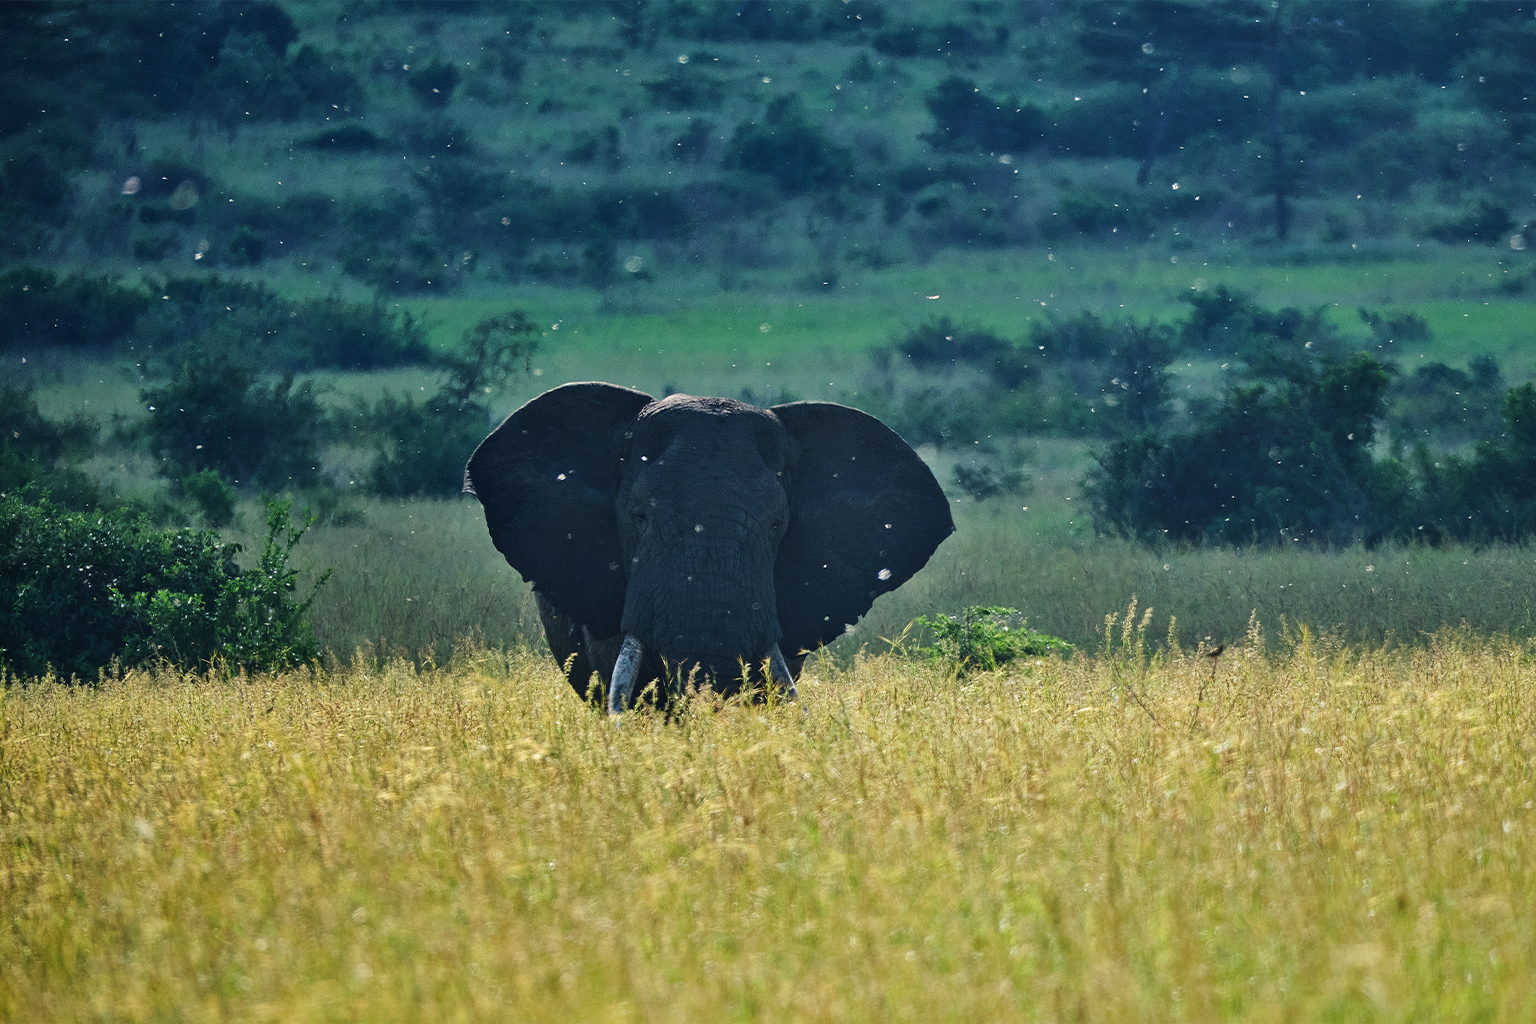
(692,540)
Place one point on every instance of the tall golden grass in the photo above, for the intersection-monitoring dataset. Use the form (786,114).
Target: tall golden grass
(1321,833)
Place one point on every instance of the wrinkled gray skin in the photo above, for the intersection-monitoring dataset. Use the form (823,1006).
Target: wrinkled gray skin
(700,536)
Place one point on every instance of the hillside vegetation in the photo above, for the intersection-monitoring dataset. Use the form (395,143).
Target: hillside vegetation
(416,146)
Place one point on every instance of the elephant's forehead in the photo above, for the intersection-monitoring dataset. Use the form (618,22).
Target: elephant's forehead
(684,424)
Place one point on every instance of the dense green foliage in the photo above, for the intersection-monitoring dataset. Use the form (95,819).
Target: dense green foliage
(1490,495)
(1288,458)
(162,218)
(41,310)
(420,447)
(1285,458)
(80,592)
(214,413)
(985,639)
(39,453)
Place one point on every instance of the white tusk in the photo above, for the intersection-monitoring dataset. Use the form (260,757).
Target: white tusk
(625,670)
(779,669)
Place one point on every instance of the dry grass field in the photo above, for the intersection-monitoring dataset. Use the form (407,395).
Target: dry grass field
(1322,833)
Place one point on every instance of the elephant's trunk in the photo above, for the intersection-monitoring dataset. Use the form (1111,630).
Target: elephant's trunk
(625,670)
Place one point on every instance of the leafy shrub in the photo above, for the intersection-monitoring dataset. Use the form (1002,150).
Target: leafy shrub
(596,147)
(966,119)
(41,454)
(1226,322)
(304,335)
(1489,496)
(787,147)
(942,344)
(990,476)
(1083,375)
(216,414)
(1390,328)
(685,87)
(38,307)
(1097,213)
(35,191)
(984,639)
(1284,459)
(693,144)
(951,37)
(232,228)
(455,188)
(349,138)
(1440,404)
(80,591)
(421,447)
(1118,366)
(1488,221)
(214,498)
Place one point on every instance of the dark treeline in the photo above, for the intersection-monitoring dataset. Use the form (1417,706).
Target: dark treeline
(536,140)
(1312,435)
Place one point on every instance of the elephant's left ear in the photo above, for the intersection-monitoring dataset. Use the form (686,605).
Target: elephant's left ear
(865,515)
(547,478)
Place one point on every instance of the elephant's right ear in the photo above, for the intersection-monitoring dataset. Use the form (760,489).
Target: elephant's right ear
(548,477)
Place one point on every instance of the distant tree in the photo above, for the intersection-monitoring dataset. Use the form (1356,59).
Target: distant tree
(1499,73)
(1284,459)
(788,147)
(39,308)
(215,413)
(420,447)
(43,454)
(967,120)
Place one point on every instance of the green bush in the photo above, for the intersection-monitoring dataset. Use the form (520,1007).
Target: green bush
(785,145)
(279,333)
(42,454)
(40,308)
(1230,323)
(984,639)
(966,119)
(215,499)
(1284,459)
(433,84)
(347,138)
(216,414)
(685,87)
(1441,405)
(82,591)
(35,194)
(1489,496)
(1488,222)
(421,447)
(943,344)
(989,475)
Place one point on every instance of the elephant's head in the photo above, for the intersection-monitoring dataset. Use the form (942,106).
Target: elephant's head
(700,535)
